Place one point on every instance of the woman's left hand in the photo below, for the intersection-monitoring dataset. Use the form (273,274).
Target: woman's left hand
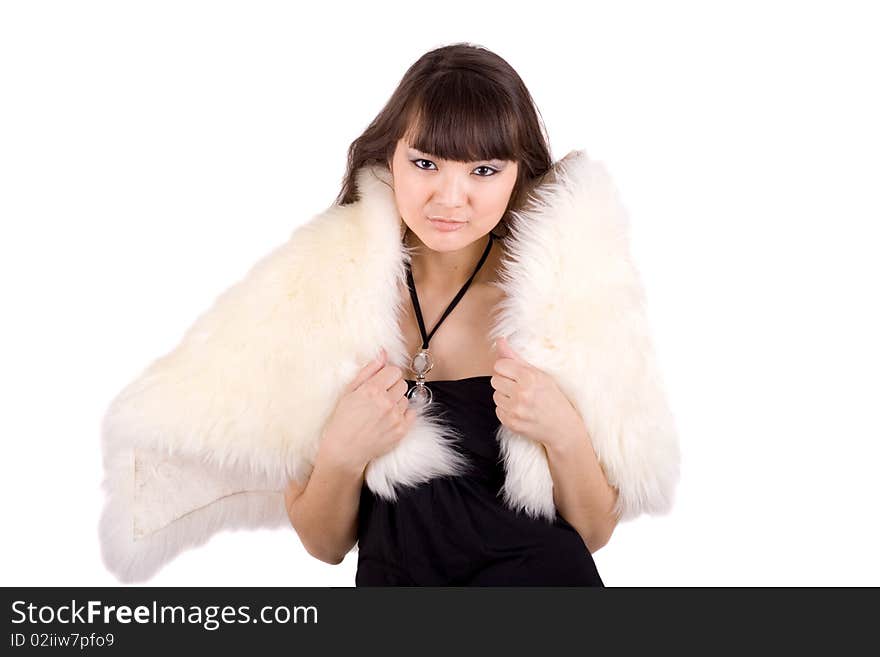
(529,402)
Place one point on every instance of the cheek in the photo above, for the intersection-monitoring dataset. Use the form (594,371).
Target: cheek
(410,195)
(490,207)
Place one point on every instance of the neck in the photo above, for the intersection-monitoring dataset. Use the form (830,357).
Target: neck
(448,270)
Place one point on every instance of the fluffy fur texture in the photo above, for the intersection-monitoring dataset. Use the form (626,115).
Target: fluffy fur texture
(207,436)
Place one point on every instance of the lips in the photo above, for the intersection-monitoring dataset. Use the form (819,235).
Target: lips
(447,220)
(447,226)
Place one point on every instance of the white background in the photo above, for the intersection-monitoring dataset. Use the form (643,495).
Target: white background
(151,152)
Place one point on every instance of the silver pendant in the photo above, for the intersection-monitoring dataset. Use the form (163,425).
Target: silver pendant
(420,365)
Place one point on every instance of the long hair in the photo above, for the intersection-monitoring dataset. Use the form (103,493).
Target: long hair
(462,103)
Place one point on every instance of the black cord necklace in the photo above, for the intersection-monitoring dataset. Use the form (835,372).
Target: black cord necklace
(421,363)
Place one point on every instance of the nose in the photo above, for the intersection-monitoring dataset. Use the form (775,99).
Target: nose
(451,193)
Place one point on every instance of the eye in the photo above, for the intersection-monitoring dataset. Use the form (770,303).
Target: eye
(492,171)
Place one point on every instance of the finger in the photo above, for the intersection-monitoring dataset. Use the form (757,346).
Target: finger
(388,377)
(503,384)
(368,370)
(507,367)
(398,390)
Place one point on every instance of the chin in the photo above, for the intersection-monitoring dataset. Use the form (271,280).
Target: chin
(450,242)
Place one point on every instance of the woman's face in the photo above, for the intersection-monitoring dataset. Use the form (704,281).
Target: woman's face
(473,193)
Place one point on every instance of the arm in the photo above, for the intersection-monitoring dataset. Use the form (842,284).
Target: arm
(580,489)
(324,512)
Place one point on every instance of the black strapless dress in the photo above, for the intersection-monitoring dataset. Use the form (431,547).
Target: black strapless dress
(456,531)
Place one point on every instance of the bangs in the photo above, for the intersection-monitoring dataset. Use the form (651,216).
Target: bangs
(463,119)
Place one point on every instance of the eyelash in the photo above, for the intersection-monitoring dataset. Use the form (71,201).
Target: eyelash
(482,166)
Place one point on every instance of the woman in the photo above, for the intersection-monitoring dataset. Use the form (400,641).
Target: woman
(463,142)
(455,457)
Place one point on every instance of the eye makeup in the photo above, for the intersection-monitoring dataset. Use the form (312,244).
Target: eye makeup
(493,171)
(498,165)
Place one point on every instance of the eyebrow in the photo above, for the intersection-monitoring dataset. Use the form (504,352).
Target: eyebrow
(415,151)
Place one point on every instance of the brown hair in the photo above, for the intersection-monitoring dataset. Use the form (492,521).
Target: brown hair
(463,103)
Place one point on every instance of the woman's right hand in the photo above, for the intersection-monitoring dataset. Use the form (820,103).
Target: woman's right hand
(371,417)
